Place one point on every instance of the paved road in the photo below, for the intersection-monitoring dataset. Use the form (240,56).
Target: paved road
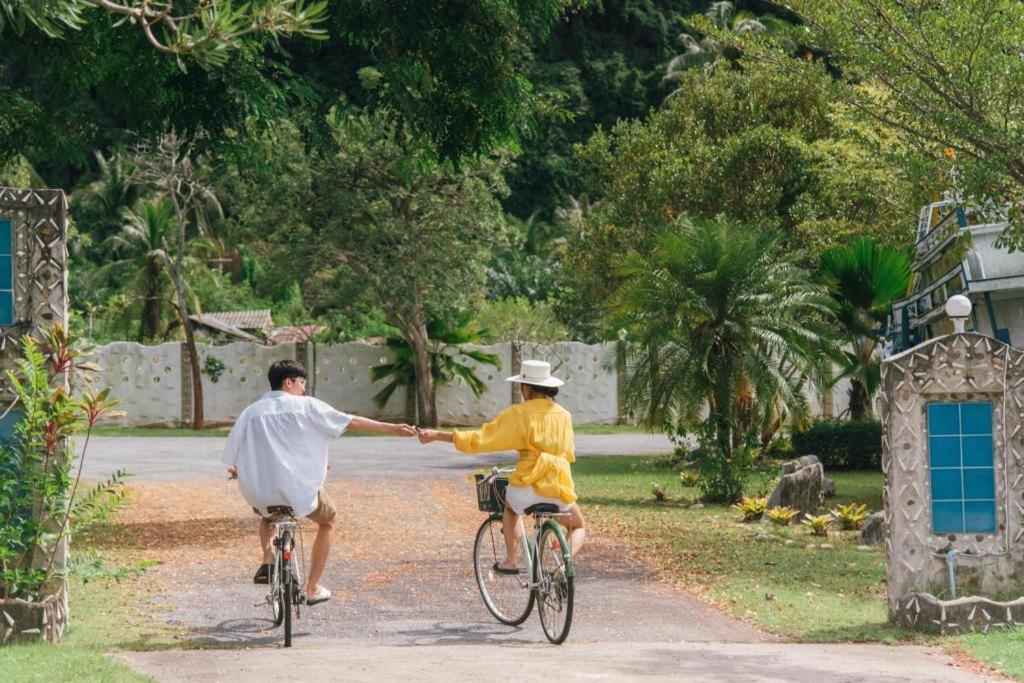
(197,458)
(405,604)
(614,661)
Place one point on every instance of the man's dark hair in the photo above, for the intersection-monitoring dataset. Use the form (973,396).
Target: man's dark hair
(282,370)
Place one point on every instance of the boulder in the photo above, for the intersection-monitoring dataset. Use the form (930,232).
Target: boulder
(872,533)
(799,486)
(828,488)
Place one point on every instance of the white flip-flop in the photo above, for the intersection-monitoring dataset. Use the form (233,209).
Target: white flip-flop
(322,595)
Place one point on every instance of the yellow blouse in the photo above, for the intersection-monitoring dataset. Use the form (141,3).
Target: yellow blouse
(541,430)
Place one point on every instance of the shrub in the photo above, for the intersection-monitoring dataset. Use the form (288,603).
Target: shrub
(781,516)
(688,478)
(752,509)
(658,493)
(852,515)
(38,502)
(819,525)
(842,445)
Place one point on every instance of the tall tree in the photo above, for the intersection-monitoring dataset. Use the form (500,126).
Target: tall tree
(943,74)
(724,329)
(167,168)
(413,235)
(755,146)
(864,278)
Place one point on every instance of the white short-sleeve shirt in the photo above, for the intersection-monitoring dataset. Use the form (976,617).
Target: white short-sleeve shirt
(279,445)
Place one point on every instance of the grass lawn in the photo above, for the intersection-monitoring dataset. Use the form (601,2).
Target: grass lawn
(782,585)
(105,616)
(223,431)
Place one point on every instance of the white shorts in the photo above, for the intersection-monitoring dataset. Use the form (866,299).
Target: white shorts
(521,497)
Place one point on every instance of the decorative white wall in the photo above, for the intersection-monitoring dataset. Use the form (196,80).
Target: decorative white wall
(146,379)
(243,380)
(151,381)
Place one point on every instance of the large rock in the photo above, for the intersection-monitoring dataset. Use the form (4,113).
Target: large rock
(872,533)
(800,485)
(828,488)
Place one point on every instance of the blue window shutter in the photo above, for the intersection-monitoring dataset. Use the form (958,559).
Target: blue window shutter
(962,467)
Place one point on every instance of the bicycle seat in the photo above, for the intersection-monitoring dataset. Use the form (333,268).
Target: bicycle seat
(542,509)
(280,510)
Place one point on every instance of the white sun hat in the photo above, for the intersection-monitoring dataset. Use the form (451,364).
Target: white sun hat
(536,372)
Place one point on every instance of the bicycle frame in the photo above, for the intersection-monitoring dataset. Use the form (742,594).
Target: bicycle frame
(528,545)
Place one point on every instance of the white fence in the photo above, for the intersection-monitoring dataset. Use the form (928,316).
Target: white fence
(154,385)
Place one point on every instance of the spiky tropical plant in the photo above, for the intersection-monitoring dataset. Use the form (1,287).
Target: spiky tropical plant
(781,516)
(864,278)
(143,250)
(725,329)
(447,351)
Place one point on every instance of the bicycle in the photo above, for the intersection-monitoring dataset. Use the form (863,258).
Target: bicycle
(285,594)
(548,579)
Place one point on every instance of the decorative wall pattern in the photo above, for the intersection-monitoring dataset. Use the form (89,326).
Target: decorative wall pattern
(243,379)
(956,368)
(343,379)
(146,379)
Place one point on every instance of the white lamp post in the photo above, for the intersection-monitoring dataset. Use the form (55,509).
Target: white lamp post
(958,308)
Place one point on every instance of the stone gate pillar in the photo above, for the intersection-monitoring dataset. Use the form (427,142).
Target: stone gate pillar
(33,297)
(953,458)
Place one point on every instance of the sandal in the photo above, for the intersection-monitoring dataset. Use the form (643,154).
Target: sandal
(263,574)
(321,595)
(501,570)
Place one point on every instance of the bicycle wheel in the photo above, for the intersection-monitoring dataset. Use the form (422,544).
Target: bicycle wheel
(276,592)
(286,583)
(555,592)
(507,596)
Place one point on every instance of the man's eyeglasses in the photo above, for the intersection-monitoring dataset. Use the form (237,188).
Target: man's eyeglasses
(299,380)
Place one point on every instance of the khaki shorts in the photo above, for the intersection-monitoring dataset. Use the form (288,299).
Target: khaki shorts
(324,511)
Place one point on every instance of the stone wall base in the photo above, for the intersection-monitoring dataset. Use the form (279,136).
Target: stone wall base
(925,612)
(23,621)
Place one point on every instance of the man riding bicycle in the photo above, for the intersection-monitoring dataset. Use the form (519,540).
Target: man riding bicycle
(278,451)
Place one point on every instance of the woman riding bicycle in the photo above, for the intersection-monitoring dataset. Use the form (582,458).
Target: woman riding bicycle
(541,430)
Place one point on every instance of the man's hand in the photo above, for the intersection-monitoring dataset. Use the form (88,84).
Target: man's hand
(405,430)
(232,473)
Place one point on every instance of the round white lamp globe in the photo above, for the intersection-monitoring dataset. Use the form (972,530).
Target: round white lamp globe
(958,308)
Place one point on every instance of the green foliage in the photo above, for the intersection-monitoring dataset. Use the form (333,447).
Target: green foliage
(841,444)
(851,516)
(751,509)
(885,52)
(864,279)
(213,368)
(659,494)
(724,333)
(689,478)
(528,266)
(781,516)
(818,524)
(448,357)
(768,150)
(38,505)
(519,320)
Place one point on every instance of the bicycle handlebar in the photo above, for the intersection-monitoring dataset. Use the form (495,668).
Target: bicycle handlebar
(495,471)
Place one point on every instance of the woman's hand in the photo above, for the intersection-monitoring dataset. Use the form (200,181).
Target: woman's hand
(427,435)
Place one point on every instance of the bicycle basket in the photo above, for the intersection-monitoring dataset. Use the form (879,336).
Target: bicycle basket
(490,495)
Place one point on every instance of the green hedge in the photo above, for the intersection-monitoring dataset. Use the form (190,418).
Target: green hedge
(842,444)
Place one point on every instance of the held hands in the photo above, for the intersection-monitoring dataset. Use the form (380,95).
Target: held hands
(405,430)
(427,435)
(232,473)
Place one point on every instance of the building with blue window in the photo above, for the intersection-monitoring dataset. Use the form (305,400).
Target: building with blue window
(952,411)
(956,253)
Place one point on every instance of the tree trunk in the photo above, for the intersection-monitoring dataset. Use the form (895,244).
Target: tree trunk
(198,419)
(415,332)
(516,358)
(860,404)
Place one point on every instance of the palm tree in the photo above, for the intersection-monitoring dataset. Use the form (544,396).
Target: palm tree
(144,251)
(707,51)
(446,351)
(864,279)
(726,331)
